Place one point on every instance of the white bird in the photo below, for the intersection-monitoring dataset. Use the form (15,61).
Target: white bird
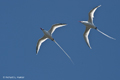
(48,35)
(89,24)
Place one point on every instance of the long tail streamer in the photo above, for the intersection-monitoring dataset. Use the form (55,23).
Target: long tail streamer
(63,51)
(105,34)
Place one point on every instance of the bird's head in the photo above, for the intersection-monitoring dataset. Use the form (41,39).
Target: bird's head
(41,28)
(83,22)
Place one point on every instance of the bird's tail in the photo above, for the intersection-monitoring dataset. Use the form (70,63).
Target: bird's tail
(105,34)
(63,51)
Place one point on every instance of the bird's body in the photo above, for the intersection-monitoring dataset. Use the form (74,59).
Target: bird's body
(89,24)
(48,35)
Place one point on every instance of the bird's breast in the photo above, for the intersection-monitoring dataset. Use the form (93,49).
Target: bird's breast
(90,25)
(48,35)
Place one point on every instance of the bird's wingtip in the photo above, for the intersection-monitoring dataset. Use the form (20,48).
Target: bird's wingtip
(36,52)
(64,23)
(90,47)
(99,5)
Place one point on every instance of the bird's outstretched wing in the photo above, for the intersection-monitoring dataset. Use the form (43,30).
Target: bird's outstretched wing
(91,14)
(55,26)
(86,33)
(40,41)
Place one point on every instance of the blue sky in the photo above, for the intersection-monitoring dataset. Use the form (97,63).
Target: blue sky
(20,22)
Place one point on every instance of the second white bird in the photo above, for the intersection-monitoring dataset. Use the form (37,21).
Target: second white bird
(89,24)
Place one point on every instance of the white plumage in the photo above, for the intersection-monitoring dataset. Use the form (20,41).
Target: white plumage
(48,35)
(89,24)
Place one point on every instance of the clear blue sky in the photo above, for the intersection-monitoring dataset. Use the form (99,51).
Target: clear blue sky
(20,22)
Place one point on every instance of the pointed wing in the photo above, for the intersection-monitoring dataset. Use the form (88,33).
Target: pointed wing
(86,33)
(91,14)
(40,41)
(55,26)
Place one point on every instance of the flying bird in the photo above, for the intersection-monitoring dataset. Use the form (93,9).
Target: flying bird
(48,35)
(89,24)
